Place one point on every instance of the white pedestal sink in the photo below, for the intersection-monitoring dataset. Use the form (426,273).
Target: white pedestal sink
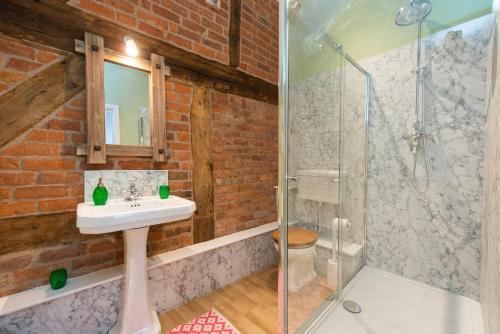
(134,218)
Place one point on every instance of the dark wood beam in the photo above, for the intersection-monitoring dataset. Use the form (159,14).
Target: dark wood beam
(37,97)
(56,24)
(22,233)
(203,179)
(234,33)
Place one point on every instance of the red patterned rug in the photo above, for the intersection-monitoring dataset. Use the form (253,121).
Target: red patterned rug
(211,322)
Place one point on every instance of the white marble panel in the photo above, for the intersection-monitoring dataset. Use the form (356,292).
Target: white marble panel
(117,180)
(490,266)
(433,237)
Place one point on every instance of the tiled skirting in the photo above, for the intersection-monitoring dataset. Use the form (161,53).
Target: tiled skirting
(174,278)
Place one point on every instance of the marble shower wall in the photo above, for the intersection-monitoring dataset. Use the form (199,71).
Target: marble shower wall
(95,310)
(314,144)
(490,266)
(434,237)
(320,137)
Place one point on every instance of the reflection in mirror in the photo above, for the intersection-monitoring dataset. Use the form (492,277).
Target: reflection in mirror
(126,95)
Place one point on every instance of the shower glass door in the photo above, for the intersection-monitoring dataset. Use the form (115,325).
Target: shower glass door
(313,171)
(323,108)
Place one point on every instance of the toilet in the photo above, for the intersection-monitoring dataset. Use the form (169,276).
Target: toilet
(301,257)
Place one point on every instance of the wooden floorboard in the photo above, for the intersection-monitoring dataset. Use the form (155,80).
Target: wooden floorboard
(250,304)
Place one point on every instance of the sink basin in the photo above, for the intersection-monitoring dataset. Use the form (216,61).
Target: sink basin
(136,315)
(120,215)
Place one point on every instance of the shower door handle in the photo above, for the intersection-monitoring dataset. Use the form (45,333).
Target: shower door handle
(292,178)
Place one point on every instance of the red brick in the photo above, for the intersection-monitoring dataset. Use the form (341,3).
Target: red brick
(48,164)
(45,57)
(122,5)
(134,164)
(12,77)
(4,193)
(96,8)
(12,48)
(149,29)
(54,205)
(16,178)
(17,208)
(58,253)
(22,65)
(60,178)
(41,191)
(178,40)
(125,19)
(64,124)
(92,260)
(8,163)
(166,14)
(45,135)
(108,244)
(11,262)
(32,149)
(73,114)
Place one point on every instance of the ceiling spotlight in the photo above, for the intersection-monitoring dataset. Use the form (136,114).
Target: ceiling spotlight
(130,46)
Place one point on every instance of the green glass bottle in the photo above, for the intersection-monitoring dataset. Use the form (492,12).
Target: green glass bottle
(164,191)
(58,278)
(100,195)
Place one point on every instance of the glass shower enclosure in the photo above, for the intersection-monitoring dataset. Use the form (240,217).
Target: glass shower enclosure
(324,107)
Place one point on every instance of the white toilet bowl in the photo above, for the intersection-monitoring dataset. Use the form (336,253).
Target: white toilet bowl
(301,257)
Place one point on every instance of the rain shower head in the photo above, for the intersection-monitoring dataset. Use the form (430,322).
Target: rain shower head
(415,12)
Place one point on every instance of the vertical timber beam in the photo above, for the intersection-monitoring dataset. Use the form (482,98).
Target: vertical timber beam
(203,179)
(157,112)
(94,84)
(235,34)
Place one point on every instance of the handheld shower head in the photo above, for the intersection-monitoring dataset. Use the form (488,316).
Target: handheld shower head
(415,12)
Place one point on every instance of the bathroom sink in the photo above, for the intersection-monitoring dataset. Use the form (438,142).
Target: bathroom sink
(136,314)
(120,215)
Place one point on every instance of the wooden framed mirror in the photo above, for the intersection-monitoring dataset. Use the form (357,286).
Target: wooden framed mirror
(125,103)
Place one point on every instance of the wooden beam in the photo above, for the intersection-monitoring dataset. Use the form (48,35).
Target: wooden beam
(54,23)
(158,107)
(94,85)
(234,33)
(187,76)
(114,150)
(36,98)
(203,180)
(31,232)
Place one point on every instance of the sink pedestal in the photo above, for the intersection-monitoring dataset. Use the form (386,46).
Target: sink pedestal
(136,314)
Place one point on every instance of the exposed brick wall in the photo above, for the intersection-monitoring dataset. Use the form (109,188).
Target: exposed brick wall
(259,53)
(245,155)
(189,24)
(39,174)
(195,26)
(19,62)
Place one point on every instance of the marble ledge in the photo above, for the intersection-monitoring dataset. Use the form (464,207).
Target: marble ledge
(43,294)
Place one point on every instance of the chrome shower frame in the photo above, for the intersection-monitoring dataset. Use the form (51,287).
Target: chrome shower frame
(334,300)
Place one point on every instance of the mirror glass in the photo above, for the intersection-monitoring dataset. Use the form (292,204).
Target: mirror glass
(126,96)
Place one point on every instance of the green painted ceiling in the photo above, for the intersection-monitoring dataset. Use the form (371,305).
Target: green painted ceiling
(365,28)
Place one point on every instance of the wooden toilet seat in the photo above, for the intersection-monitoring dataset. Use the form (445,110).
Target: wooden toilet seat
(299,237)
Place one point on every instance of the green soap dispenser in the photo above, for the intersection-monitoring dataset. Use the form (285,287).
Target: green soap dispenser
(100,195)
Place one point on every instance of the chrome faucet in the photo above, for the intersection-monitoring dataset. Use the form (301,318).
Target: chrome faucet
(133,191)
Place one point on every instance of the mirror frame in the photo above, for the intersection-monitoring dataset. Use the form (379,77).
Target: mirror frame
(96,148)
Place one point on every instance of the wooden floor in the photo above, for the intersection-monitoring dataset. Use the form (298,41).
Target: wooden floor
(304,303)
(250,304)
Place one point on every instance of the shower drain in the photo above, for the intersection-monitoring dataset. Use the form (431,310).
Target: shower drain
(351,306)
